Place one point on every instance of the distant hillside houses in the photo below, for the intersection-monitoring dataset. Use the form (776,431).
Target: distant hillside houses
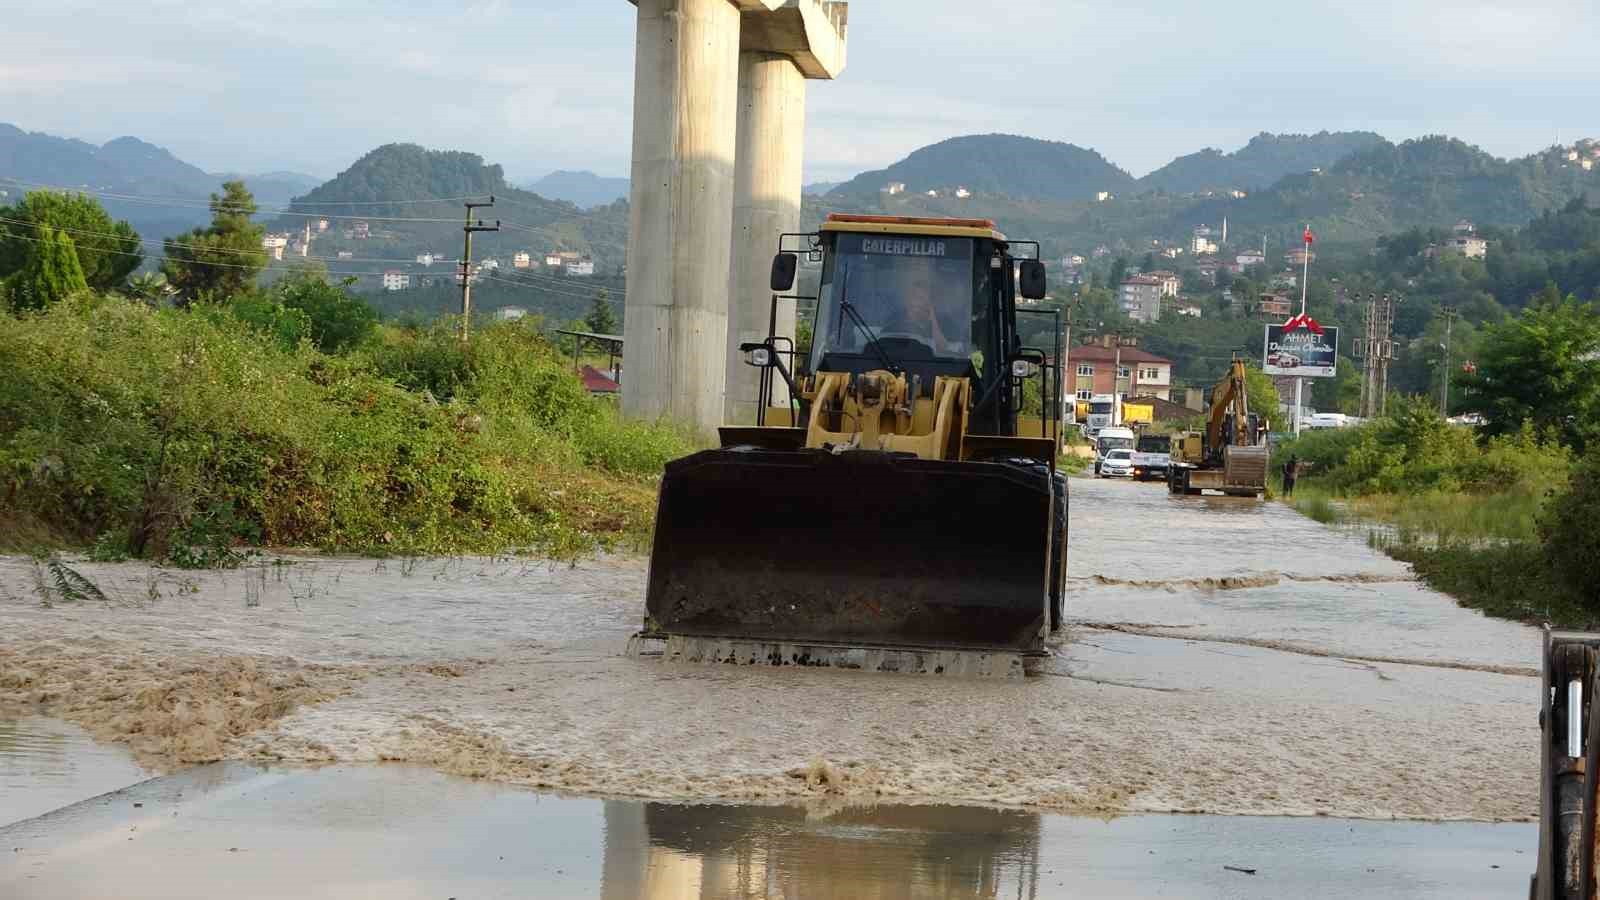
(396,280)
(1140,297)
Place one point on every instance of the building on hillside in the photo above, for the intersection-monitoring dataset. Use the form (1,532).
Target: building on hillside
(1246,258)
(361,231)
(1123,369)
(1100,251)
(1103,196)
(1072,261)
(962,193)
(1187,309)
(1300,256)
(490,265)
(1170,282)
(553,260)
(581,267)
(346,254)
(1285,280)
(1171,252)
(510,313)
(396,280)
(1464,226)
(521,260)
(1469,245)
(1200,245)
(893,187)
(1274,307)
(274,244)
(1208,271)
(426,259)
(1140,298)
(322,225)
(1238,194)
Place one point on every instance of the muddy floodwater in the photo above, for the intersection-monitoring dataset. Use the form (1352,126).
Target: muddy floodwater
(1226,657)
(244,832)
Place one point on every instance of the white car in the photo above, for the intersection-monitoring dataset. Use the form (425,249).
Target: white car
(1117,464)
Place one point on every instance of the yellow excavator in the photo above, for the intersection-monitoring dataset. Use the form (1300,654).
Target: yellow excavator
(893,508)
(1231,455)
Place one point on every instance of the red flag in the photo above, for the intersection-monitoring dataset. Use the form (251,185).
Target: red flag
(1308,235)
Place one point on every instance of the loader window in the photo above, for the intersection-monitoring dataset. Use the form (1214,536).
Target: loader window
(915,293)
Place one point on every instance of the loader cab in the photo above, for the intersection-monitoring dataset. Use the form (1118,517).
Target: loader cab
(931,298)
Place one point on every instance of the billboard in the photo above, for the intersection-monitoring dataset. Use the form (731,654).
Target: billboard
(1300,352)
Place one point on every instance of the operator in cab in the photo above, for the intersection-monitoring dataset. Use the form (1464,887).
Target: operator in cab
(918,314)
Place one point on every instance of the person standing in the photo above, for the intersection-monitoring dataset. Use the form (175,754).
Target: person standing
(1289,471)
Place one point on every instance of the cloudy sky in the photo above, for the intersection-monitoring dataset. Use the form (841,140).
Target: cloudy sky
(537,84)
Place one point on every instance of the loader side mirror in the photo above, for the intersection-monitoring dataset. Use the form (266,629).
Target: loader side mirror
(784,266)
(1031,280)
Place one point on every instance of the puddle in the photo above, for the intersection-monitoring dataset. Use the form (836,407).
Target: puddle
(46,764)
(392,831)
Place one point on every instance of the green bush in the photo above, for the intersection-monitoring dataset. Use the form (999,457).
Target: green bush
(188,431)
(1414,451)
(1570,535)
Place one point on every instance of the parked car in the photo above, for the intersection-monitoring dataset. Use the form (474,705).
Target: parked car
(1117,464)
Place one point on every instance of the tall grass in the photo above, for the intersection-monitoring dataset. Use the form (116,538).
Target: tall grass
(175,429)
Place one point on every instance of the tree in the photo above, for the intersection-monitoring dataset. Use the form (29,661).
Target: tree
(107,250)
(1566,529)
(1262,393)
(336,320)
(1541,367)
(49,274)
(601,320)
(221,260)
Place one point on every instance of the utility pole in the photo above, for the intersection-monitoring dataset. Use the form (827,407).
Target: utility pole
(1069,398)
(1376,351)
(1305,278)
(1449,313)
(467,231)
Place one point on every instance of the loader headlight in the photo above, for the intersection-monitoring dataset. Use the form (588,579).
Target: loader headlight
(1021,368)
(758,356)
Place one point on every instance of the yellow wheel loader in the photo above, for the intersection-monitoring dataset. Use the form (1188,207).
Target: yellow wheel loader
(1231,456)
(894,509)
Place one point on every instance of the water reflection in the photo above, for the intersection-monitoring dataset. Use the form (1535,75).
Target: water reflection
(669,851)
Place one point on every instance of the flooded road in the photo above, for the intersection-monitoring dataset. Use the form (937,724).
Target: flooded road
(1227,657)
(46,764)
(235,830)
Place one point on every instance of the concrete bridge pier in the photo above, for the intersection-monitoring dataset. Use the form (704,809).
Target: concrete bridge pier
(718,129)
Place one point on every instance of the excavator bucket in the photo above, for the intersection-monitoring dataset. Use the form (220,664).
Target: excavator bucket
(858,559)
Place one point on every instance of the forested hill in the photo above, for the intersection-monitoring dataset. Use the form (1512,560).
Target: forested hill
(1258,164)
(132,167)
(583,188)
(1004,164)
(411,199)
(1391,187)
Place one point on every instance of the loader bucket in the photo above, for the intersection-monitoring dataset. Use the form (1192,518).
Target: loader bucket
(859,549)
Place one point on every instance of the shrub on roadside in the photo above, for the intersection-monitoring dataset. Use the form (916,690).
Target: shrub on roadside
(1570,533)
(184,430)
